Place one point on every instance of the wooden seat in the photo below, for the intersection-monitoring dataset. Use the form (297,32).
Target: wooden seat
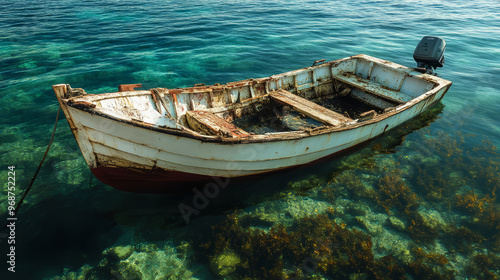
(211,124)
(373,88)
(309,108)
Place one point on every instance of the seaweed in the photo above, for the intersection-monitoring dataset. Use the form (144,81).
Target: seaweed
(488,222)
(302,187)
(349,181)
(496,243)
(424,271)
(259,251)
(430,266)
(431,258)
(486,159)
(484,266)
(437,180)
(450,147)
(338,250)
(484,219)
(434,184)
(458,166)
(419,230)
(461,239)
(316,246)
(346,183)
(326,246)
(471,203)
(329,193)
(394,193)
(484,212)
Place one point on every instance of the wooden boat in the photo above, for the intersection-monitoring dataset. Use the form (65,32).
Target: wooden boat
(149,140)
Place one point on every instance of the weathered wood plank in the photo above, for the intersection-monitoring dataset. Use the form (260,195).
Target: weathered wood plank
(373,88)
(309,108)
(210,124)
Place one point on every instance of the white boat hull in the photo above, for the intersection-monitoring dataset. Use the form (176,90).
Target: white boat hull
(126,155)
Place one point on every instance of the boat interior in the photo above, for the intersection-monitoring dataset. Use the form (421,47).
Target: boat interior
(334,94)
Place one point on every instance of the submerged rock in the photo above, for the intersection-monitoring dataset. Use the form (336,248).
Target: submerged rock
(432,218)
(120,252)
(372,222)
(155,265)
(396,223)
(83,274)
(128,270)
(357,208)
(225,263)
(393,244)
(358,276)
(123,262)
(285,212)
(372,228)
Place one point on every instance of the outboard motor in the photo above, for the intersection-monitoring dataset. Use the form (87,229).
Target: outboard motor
(429,53)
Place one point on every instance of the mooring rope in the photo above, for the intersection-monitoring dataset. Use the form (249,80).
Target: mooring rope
(38,170)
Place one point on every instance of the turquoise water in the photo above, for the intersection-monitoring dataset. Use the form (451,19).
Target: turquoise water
(70,219)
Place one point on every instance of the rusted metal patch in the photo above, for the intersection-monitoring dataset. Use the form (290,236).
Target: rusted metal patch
(317,62)
(128,87)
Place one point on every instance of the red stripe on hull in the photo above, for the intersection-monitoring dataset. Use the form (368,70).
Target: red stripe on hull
(152,182)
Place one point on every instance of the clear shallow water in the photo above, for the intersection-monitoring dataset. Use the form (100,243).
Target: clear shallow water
(97,45)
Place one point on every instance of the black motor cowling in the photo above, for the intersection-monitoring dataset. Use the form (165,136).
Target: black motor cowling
(429,53)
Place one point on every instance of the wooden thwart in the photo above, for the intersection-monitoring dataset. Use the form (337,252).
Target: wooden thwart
(373,88)
(309,108)
(210,124)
